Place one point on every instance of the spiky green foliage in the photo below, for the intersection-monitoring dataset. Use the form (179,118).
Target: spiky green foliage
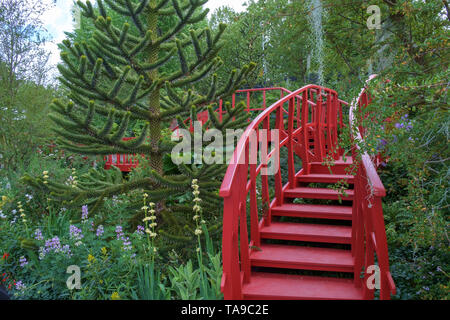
(116,79)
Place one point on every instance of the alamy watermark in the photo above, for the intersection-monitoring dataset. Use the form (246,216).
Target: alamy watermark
(374,21)
(373,281)
(74,281)
(221,150)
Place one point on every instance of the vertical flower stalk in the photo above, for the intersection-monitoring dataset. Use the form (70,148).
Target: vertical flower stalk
(199,222)
(150,225)
(22,215)
(73,178)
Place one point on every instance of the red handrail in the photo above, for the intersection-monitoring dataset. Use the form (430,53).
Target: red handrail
(311,132)
(368,232)
(127,162)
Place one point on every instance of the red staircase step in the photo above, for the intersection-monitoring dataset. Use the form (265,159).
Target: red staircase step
(307,232)
(338,167)
(313,211)
(318,193)
(306,258)
(276,286)
(325,178)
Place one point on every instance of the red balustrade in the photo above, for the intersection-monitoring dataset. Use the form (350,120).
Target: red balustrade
(307,122)
(127,162)
(369,233)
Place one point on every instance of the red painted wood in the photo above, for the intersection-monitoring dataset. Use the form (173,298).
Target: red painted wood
(306,258)
(307,232)
(319,115)
(318,193)
(276,286)
(325,178)
(313,211)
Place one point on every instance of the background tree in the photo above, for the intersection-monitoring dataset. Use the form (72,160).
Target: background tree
(117,76)
(24,69)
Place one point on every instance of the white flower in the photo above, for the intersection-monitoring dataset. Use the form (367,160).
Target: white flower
(146,219)
(198,232)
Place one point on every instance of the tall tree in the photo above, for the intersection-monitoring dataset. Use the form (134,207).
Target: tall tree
(116,77)
(23,70)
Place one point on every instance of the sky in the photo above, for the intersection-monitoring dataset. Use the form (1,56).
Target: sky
(58,20)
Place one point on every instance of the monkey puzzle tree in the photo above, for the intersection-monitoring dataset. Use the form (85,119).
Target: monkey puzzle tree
(117,78)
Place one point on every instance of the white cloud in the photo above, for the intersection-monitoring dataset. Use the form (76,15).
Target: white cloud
(235,4)
(58,20)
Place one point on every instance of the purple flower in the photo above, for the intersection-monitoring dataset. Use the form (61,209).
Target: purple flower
(140,230)
(399,125)
(53,245)
(23,261)
(126,243)
(20,286)
(38,234)
(75,233)
(121,236)
(119,232)
(84,213)
(100,231)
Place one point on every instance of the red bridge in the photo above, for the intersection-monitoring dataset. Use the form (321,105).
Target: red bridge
(304,239)
(301,242)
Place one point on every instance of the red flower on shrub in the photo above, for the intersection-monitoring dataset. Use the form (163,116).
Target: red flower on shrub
(5,256)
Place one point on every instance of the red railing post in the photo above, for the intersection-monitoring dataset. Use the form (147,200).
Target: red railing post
(368,229)
(291,164)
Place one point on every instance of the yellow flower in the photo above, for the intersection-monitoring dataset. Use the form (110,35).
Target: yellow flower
(104,251)
(115,296)
(91,258)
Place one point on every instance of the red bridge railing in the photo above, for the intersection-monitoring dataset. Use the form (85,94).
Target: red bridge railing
(307,121)
(127,162)
(369,233)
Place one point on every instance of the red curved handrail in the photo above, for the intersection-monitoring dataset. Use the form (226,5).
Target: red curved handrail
(368,231)
(127,162)
(309,131)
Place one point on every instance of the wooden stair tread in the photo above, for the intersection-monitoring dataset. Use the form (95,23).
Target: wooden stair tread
(295,287)
(325,178)
(318,193)
(340,161)
(313,211)
(307,232)
(298,257)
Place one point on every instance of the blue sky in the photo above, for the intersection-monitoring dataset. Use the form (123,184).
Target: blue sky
(58,19)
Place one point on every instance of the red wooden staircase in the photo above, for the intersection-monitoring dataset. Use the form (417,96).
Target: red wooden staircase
(291,235)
